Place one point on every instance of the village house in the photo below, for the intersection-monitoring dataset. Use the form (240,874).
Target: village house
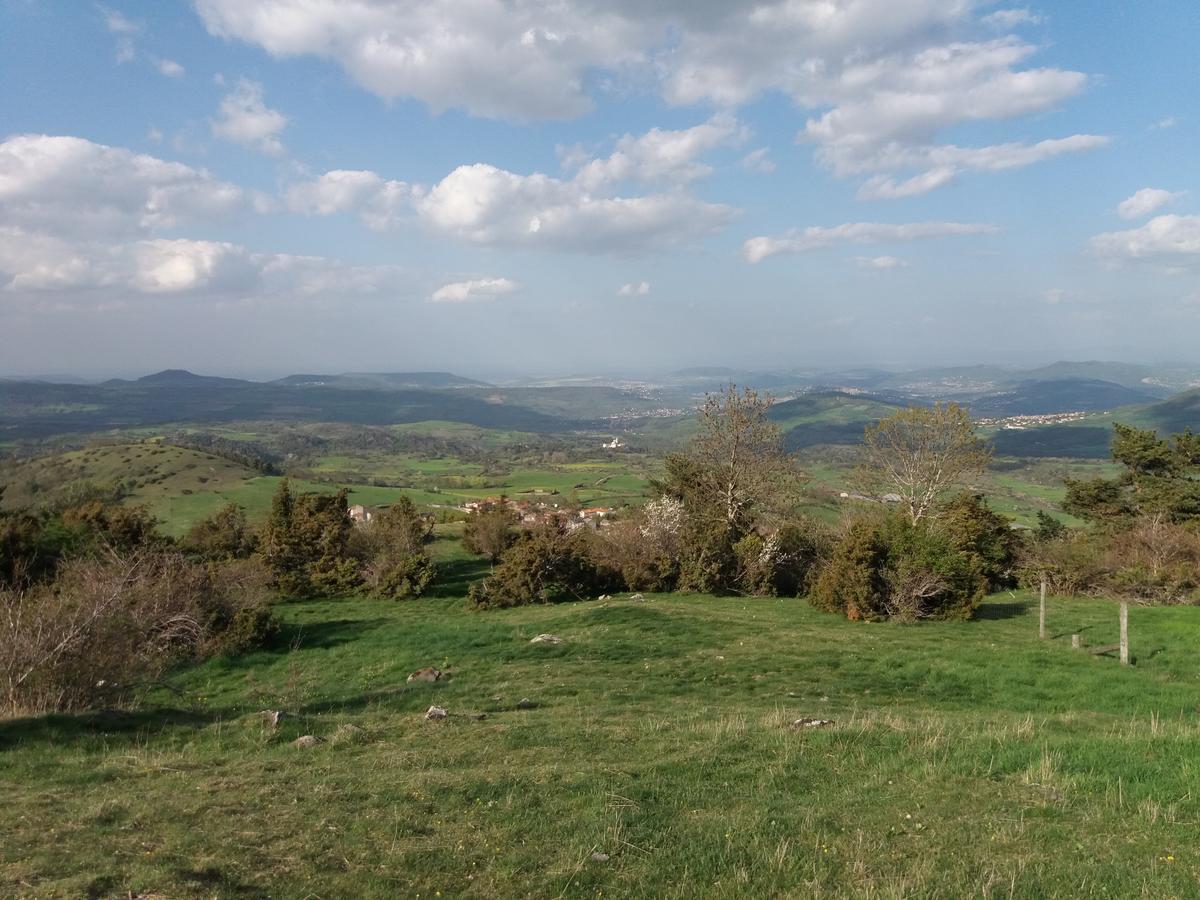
(360,515)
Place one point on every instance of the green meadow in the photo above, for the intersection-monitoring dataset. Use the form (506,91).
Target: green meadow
(651,753)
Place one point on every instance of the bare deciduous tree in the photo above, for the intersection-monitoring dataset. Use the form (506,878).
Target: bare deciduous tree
(921,452)
(738,460)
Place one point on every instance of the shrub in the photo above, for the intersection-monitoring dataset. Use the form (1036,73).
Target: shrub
(306,544)
(891,569)
(398,576)
(546,565)
(490,530)
(392,546)
(643,548)
(985,536)
(224,535)
(853,581)
(108,627)
(781,564)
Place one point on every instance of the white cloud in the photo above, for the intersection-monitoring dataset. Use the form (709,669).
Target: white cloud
(34,264)
(71,185)
(945,162)
(634,289)
(478,289)
(1146,201)
(125,30)
(1054,296)
(887,77)
(484,204)
(1171,241)
(170,68)
(376,201)
(1004,19)
(244,118)
(660,155)
(815,238)
(1168,122)
(515,60)
(880,263)
(758,161)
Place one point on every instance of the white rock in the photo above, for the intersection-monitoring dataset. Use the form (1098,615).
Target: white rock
(436,712)
(547,639)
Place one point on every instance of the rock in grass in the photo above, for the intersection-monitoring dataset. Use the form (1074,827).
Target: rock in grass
(812,723)
(637,598)
(525,703)
(307,741)
(436,712)
(600,856)
(272,717)
(547,639)
(429,673)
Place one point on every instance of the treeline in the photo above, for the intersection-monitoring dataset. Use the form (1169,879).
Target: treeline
(251,454)
(726,523)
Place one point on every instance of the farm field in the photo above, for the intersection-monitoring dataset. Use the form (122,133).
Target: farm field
(181,486)
(657,735)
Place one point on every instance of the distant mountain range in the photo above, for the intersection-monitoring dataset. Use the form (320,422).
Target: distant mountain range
(810,410)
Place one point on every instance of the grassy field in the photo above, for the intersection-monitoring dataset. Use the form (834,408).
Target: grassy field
(964,759)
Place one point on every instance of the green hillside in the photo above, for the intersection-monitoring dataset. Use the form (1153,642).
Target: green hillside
(651,754)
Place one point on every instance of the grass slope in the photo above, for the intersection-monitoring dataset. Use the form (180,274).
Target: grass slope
(966,759)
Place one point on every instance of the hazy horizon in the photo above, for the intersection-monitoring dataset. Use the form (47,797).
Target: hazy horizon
(531,188)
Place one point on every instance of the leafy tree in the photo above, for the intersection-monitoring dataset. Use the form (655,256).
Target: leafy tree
(920,453)
(1158,479)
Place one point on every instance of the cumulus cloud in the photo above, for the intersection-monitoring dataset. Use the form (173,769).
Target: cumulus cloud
(660,155)
(376,201)
(475,290)
(888,77)
(72,185)
(33,263)
(92,223)
(486,205)
(816,238)
(634,289)
(1170,241)
(515,60)
(584,210)
(880,263)
(1146,201)
(244,118)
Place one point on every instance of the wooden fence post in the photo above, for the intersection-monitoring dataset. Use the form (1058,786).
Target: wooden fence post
(1124,633)
(1042,613)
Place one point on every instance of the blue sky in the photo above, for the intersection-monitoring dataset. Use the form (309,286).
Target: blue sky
(584,186)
